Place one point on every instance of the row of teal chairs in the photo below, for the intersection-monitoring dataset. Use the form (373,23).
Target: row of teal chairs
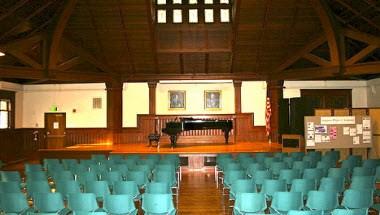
(321,202)
(85,203)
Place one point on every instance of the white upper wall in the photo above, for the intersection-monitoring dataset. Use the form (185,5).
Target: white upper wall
(359,89)
(373,92)
(74,99)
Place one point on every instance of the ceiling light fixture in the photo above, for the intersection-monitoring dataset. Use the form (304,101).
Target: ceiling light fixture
(2,54)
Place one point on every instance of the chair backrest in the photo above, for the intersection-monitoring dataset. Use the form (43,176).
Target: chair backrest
(242,186)
(289,174)
(99,188)
(119,204)
(250,203)
(270,186)
(69,163)
(356,199)
(165,176)
(157,203)
(363,182)
(84,177)
(48,202)
(13,203)
(126,187)
(371,163)
(82,202)
(158,187)
(10,176)
(304,212)
(98,157)
(286,201)
(303,186)
(277,166)
(297,155)
(67,187)
(363,171)
(10,187)
(28,167)
(301,165)
(338,172)
(332,184)
(65,175)
(34,187)
(313,173)
(260,175)
(233,175)
(322,200)
(36,176)
(139,177)
(341,211)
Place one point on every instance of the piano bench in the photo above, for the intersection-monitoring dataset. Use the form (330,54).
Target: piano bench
(154,137)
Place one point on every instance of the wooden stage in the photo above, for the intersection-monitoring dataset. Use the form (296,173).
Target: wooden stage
(84,151)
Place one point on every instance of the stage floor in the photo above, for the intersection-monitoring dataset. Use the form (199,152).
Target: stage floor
(188,149)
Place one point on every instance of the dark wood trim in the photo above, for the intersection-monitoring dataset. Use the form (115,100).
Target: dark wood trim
(237,87)
(114,105)
(275,92)
(152,97)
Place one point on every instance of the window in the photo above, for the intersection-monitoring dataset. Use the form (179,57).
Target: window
(177,1)
(209,15)
(193,16)
(177,16)
(161,2)
(5,113)
(209,1)
(224,1)
(193,1)
(224,15)
(161,16)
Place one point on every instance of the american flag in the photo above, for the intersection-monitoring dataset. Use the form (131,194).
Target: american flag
(268,114)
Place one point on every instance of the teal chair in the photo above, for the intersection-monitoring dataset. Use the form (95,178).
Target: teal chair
(84,177)
(324,201)
(260,157)
(36,176)
(276,167)
(35,187)
(363,182)
(50,162)
(371,163)
(158,187)
(10,176)
(282,202)
(98,157)
(289,161)
(338,173)
(121,168)
(332,184)
(301,165)
(259,176)
(288,175)
(377,175)
(82,203)
(242,186)
(313,173)
(341,211)
(28,167)
(127,187)
(67,187)
(249,203)
(68,163)
(115,157)
(49,203)
(10,187)
(155,204)
(14,204)
(140,177)
(253,167)
(271,186)
(358,200)
(363,171)
(166,176)
(303,186)
(111,177)
(297,155)
(269,160)
(99,188)
(231,176)
(304,212)
(119,204)
(65,175)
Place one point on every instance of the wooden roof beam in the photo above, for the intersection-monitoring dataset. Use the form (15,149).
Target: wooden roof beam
(13,9)
(300,53)
(331,29)
(21,72)
(25,59)
(363,69)
(308,74)
(235,30)
(361,36)
(55,40)
(30,16)
(69,63)
(153,39)
(20,44)
(85,55)
(362,54)
(193,50)
(316,59)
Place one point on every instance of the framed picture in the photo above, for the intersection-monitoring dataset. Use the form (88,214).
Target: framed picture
(177,99)
(213,99)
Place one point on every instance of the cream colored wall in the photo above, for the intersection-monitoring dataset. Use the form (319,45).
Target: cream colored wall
(37,99)
(135,101)
(253,100)
(195,98)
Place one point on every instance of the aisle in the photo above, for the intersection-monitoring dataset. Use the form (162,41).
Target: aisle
(199,195)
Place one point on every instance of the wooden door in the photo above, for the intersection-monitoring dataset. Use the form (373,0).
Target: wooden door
(55,129)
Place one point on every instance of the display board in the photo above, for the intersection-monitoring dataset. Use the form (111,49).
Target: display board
(327,132)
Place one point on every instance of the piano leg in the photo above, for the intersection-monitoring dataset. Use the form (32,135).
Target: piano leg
(226,135)
(173,140)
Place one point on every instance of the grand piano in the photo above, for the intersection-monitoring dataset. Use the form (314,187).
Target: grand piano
(174,128)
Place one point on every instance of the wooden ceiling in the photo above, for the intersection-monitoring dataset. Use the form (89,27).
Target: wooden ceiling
(56,41)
